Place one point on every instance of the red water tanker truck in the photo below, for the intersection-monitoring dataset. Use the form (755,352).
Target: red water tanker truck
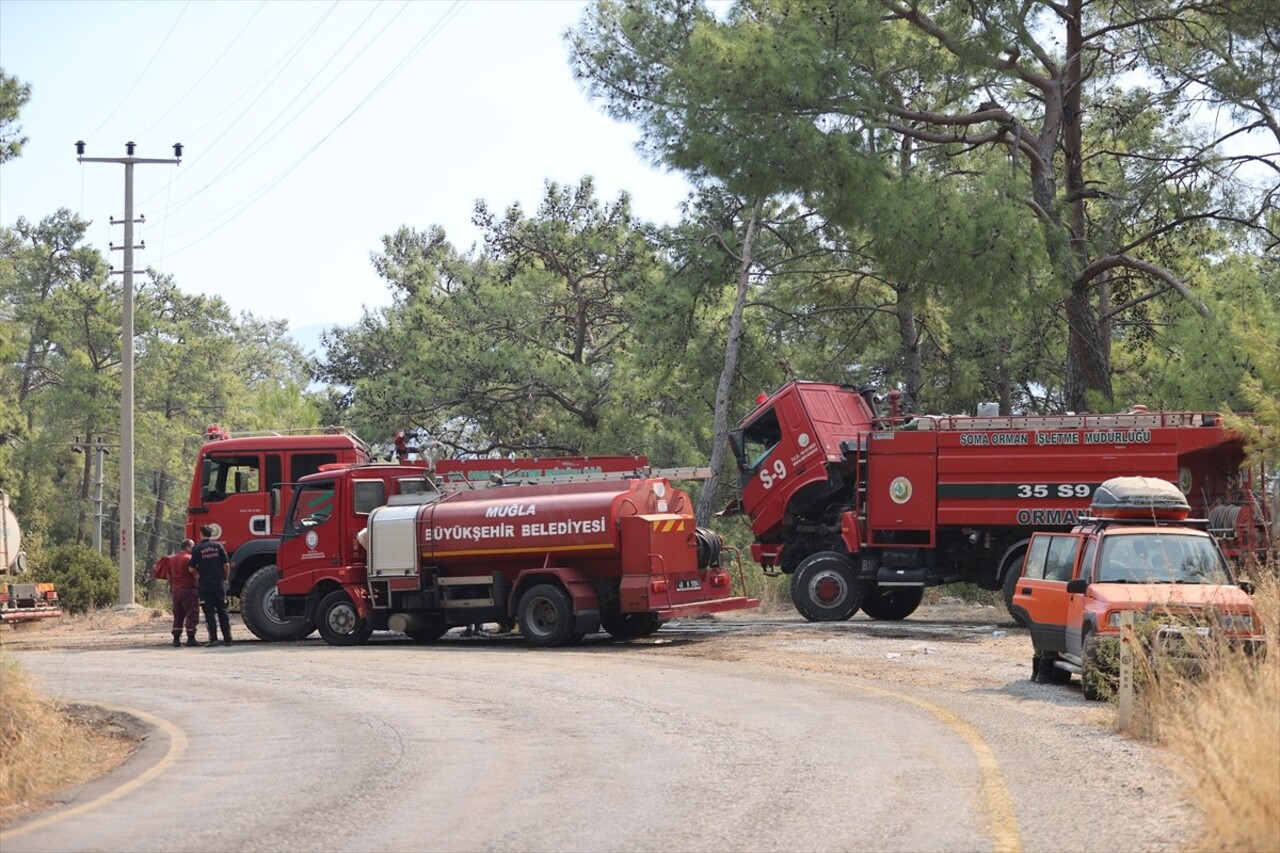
(243,484)
(865,510)
(563,559)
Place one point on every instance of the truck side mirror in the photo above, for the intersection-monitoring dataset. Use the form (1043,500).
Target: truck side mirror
(1077,586)
(1248,587)
(275,501)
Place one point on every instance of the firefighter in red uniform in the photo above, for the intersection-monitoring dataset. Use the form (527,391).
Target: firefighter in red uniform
(182,590)
(211,566)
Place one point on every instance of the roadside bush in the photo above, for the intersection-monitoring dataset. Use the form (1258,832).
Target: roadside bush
(1222,721)
(85,579)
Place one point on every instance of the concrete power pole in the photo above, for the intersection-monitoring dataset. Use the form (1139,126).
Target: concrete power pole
(99,450)
(126,375)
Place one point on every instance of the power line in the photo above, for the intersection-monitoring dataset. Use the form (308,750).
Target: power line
(287,59)
(241,157)
(163,42)
(435,29)
(207,71)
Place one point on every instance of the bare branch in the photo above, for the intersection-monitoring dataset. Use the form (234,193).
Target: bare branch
(1110,262)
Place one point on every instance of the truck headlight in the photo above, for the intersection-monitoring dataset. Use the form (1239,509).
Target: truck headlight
(1113,618)
(1237,623)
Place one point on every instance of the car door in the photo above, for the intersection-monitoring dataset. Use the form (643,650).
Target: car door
(1077,602)
(1041,594)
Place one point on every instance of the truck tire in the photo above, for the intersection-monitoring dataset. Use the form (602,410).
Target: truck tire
(629,626)
(260,612)
(889,605)
(546,616)
(824,588)
(339,622)
(1012,573)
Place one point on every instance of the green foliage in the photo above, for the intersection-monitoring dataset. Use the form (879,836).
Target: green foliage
(945,139)
(85,580)
(526,347)
(14,95)
(195,364)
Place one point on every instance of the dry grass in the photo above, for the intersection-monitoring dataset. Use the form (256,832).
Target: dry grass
(1225,725)
(42,749)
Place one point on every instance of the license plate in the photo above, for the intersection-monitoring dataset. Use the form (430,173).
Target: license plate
(685,585)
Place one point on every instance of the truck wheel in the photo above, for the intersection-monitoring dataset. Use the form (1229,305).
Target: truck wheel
(339,622)
(1012,574)
(629,626)
(546,616)
(653,627)
(260,609)
(1095,680)
(824,589)
(892,604)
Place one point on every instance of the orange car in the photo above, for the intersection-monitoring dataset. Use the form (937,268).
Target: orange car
(1135,551)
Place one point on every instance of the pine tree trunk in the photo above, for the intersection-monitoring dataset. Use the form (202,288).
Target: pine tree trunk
(720,420)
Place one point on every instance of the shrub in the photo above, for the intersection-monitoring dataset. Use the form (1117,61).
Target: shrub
(1222,721)
(85,579)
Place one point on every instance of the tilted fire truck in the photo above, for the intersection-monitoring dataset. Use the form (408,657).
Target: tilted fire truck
(377,547)
(242,487)
(865,510)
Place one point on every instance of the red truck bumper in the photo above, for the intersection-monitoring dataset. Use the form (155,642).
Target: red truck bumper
(27,602)
(697,608)
(28,614)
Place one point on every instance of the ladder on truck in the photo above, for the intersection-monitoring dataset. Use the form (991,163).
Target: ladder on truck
(1129,420)
(687,473)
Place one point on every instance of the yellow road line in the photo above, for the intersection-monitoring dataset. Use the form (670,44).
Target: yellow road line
(1002,819)
(177,746)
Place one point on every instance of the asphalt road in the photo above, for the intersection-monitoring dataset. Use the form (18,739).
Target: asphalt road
(611,746)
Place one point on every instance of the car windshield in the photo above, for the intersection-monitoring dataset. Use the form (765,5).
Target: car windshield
(1161,558)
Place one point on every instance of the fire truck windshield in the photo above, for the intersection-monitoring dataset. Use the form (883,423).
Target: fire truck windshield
(312,505)
(758,440)
(1161,558)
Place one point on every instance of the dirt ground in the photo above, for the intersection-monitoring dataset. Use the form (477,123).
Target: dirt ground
(968,662)
(776,637)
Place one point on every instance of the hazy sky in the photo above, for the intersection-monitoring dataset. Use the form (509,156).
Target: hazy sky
(311,129)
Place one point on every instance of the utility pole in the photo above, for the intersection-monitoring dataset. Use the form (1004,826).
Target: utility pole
(99,449)
(126,375)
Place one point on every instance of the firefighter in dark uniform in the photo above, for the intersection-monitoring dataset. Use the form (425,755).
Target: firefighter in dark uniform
(212,567)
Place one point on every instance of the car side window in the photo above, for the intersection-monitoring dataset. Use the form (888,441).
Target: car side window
(1036,555)
(1086,565)
(1061,559)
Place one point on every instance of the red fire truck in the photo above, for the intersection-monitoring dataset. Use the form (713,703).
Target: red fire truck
(865,510)
(243,485)
(377,547)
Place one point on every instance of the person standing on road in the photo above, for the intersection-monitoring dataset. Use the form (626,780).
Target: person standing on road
(182,590)
(212,567)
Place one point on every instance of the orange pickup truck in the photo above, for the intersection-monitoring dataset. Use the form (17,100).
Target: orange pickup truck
(1136,550)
